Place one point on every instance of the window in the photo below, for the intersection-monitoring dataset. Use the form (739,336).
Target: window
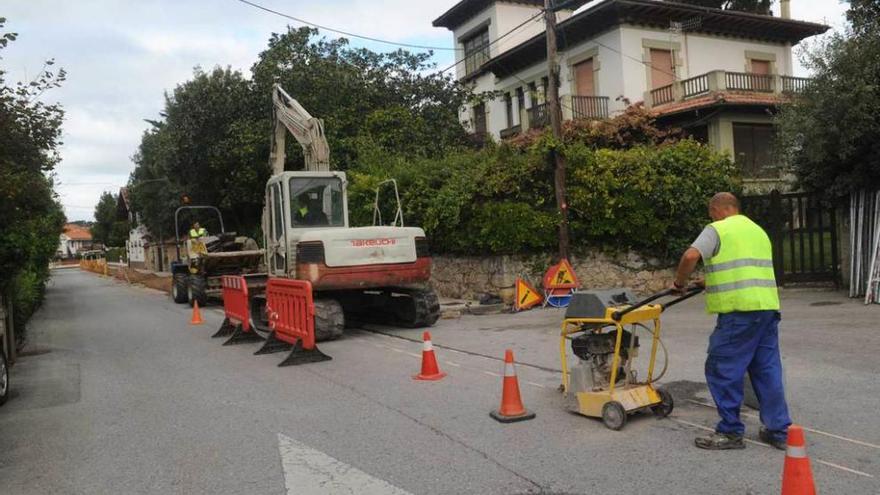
(533,94)
(760,67)
(476,51)
(662,68)
(480,125)
(753,150)
(508,109)
(583,78)
(520,101)
(316,202)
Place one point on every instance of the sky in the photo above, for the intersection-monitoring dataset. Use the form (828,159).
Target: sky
(122,55)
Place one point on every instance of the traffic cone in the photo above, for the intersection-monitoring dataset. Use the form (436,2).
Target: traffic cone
(196,315)
(797,477)
(511,409)
(430,370)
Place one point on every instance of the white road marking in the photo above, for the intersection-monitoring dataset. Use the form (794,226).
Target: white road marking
(417,356)
(450,363)
(534,384)
(490,373)
(844,468)
(811,430)
(311,472)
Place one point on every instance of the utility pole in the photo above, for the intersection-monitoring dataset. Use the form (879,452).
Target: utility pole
(555,112)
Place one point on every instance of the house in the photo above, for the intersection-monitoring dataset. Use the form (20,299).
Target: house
(75,239)
(720,75)
(143,250)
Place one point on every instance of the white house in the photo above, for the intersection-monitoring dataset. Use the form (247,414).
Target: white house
(718,74)
(74,239)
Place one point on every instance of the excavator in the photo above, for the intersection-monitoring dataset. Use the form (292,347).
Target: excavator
(377,274)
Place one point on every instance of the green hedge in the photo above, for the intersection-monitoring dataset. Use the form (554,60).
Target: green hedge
(500,200)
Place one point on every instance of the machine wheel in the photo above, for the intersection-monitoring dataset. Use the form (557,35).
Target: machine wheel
(664,408)
(179,290)
(614,415)
(4,378)
(329,319)
(198,286)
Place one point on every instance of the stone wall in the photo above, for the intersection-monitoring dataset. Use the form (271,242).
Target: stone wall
(466,277)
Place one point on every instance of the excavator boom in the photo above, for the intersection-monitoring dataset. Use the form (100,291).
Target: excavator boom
(308,131)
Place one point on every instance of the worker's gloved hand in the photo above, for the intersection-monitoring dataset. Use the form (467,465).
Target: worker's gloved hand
(678,290)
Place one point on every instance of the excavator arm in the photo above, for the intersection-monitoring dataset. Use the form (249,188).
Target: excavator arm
(308,131)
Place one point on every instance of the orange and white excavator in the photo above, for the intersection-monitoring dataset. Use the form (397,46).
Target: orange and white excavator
(375,274)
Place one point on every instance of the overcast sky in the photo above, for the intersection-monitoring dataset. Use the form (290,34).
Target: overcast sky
(122,55)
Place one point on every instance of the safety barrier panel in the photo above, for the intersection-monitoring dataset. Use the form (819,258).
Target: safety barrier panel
(291,311)
(235,301)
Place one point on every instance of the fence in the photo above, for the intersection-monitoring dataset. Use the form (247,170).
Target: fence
(864,242)
(745,81)
(589,107)
(803,230)
(291,312)
(539,116)
(661,95)
(695,86)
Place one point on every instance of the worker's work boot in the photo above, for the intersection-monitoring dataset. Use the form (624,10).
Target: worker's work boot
(720,441)
(770,438)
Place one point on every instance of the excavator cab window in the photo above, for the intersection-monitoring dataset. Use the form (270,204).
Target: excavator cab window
(316,202)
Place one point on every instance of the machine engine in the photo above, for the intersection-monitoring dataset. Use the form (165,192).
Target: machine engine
(596,350)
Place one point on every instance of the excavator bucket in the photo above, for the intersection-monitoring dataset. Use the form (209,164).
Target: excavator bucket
(273,344)
(239,336)
(225,330)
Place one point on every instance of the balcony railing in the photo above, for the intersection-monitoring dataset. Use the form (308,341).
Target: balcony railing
(539,116)
(718,80)
(743,81)
(794,84)
(662,95)
(511,131)
(589,107)
(695,86)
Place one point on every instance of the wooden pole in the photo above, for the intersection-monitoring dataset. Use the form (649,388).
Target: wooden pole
(555,113)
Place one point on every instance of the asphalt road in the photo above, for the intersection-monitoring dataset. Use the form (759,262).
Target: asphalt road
(119,394)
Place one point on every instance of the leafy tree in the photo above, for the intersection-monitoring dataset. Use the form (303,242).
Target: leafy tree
(751,6)
(30,216)
(108,229)
(829,134)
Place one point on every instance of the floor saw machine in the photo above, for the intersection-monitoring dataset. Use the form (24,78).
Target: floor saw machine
(604,383)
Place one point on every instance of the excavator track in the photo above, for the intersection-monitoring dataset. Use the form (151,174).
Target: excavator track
(408,308)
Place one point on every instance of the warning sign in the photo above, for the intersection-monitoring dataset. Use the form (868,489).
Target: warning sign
(526,296)
(561,276)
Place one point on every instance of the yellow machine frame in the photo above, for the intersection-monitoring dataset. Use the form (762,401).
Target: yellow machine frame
(632,396)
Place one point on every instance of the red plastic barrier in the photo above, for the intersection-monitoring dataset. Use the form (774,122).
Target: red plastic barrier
(291,311)
(235,301)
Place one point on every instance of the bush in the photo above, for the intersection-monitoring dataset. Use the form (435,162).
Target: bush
(500,200)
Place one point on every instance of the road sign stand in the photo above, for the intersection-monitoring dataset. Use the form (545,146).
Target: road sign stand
(560,282)
(273,344)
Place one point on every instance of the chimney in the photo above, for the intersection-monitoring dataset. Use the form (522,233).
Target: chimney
(785,9)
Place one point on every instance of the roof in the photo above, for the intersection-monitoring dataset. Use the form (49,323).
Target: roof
(123,203)
(652,13)
(466,9)
(719,98)
(75,232)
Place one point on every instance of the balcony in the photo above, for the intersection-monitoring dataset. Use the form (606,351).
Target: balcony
(573,108)
(723,81)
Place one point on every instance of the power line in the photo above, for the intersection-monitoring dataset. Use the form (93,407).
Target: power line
(346,33)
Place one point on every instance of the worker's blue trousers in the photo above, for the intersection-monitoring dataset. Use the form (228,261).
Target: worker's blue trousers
(747,342)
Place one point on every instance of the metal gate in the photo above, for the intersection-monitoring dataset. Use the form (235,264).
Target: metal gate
(803,230)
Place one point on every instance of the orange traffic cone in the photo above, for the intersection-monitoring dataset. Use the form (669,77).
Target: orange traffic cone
(430,370)
(511,403)
(197,315)
(797,477)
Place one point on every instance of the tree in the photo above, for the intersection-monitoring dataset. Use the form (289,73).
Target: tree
(108,229)
(829,134)
(751,6)
(31,218)
(212,143)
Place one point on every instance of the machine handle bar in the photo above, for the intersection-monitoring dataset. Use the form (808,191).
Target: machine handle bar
(690,292)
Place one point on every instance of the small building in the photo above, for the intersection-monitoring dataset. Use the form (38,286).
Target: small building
(74,239)
(718,74)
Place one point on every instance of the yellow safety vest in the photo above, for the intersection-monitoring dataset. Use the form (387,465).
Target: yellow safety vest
(195,234)
(740,277)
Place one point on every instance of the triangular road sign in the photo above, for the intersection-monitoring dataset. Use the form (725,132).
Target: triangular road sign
(526,296)
(561,276)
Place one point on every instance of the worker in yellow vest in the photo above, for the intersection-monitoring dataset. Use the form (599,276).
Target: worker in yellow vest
(741,289)
(197,231)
